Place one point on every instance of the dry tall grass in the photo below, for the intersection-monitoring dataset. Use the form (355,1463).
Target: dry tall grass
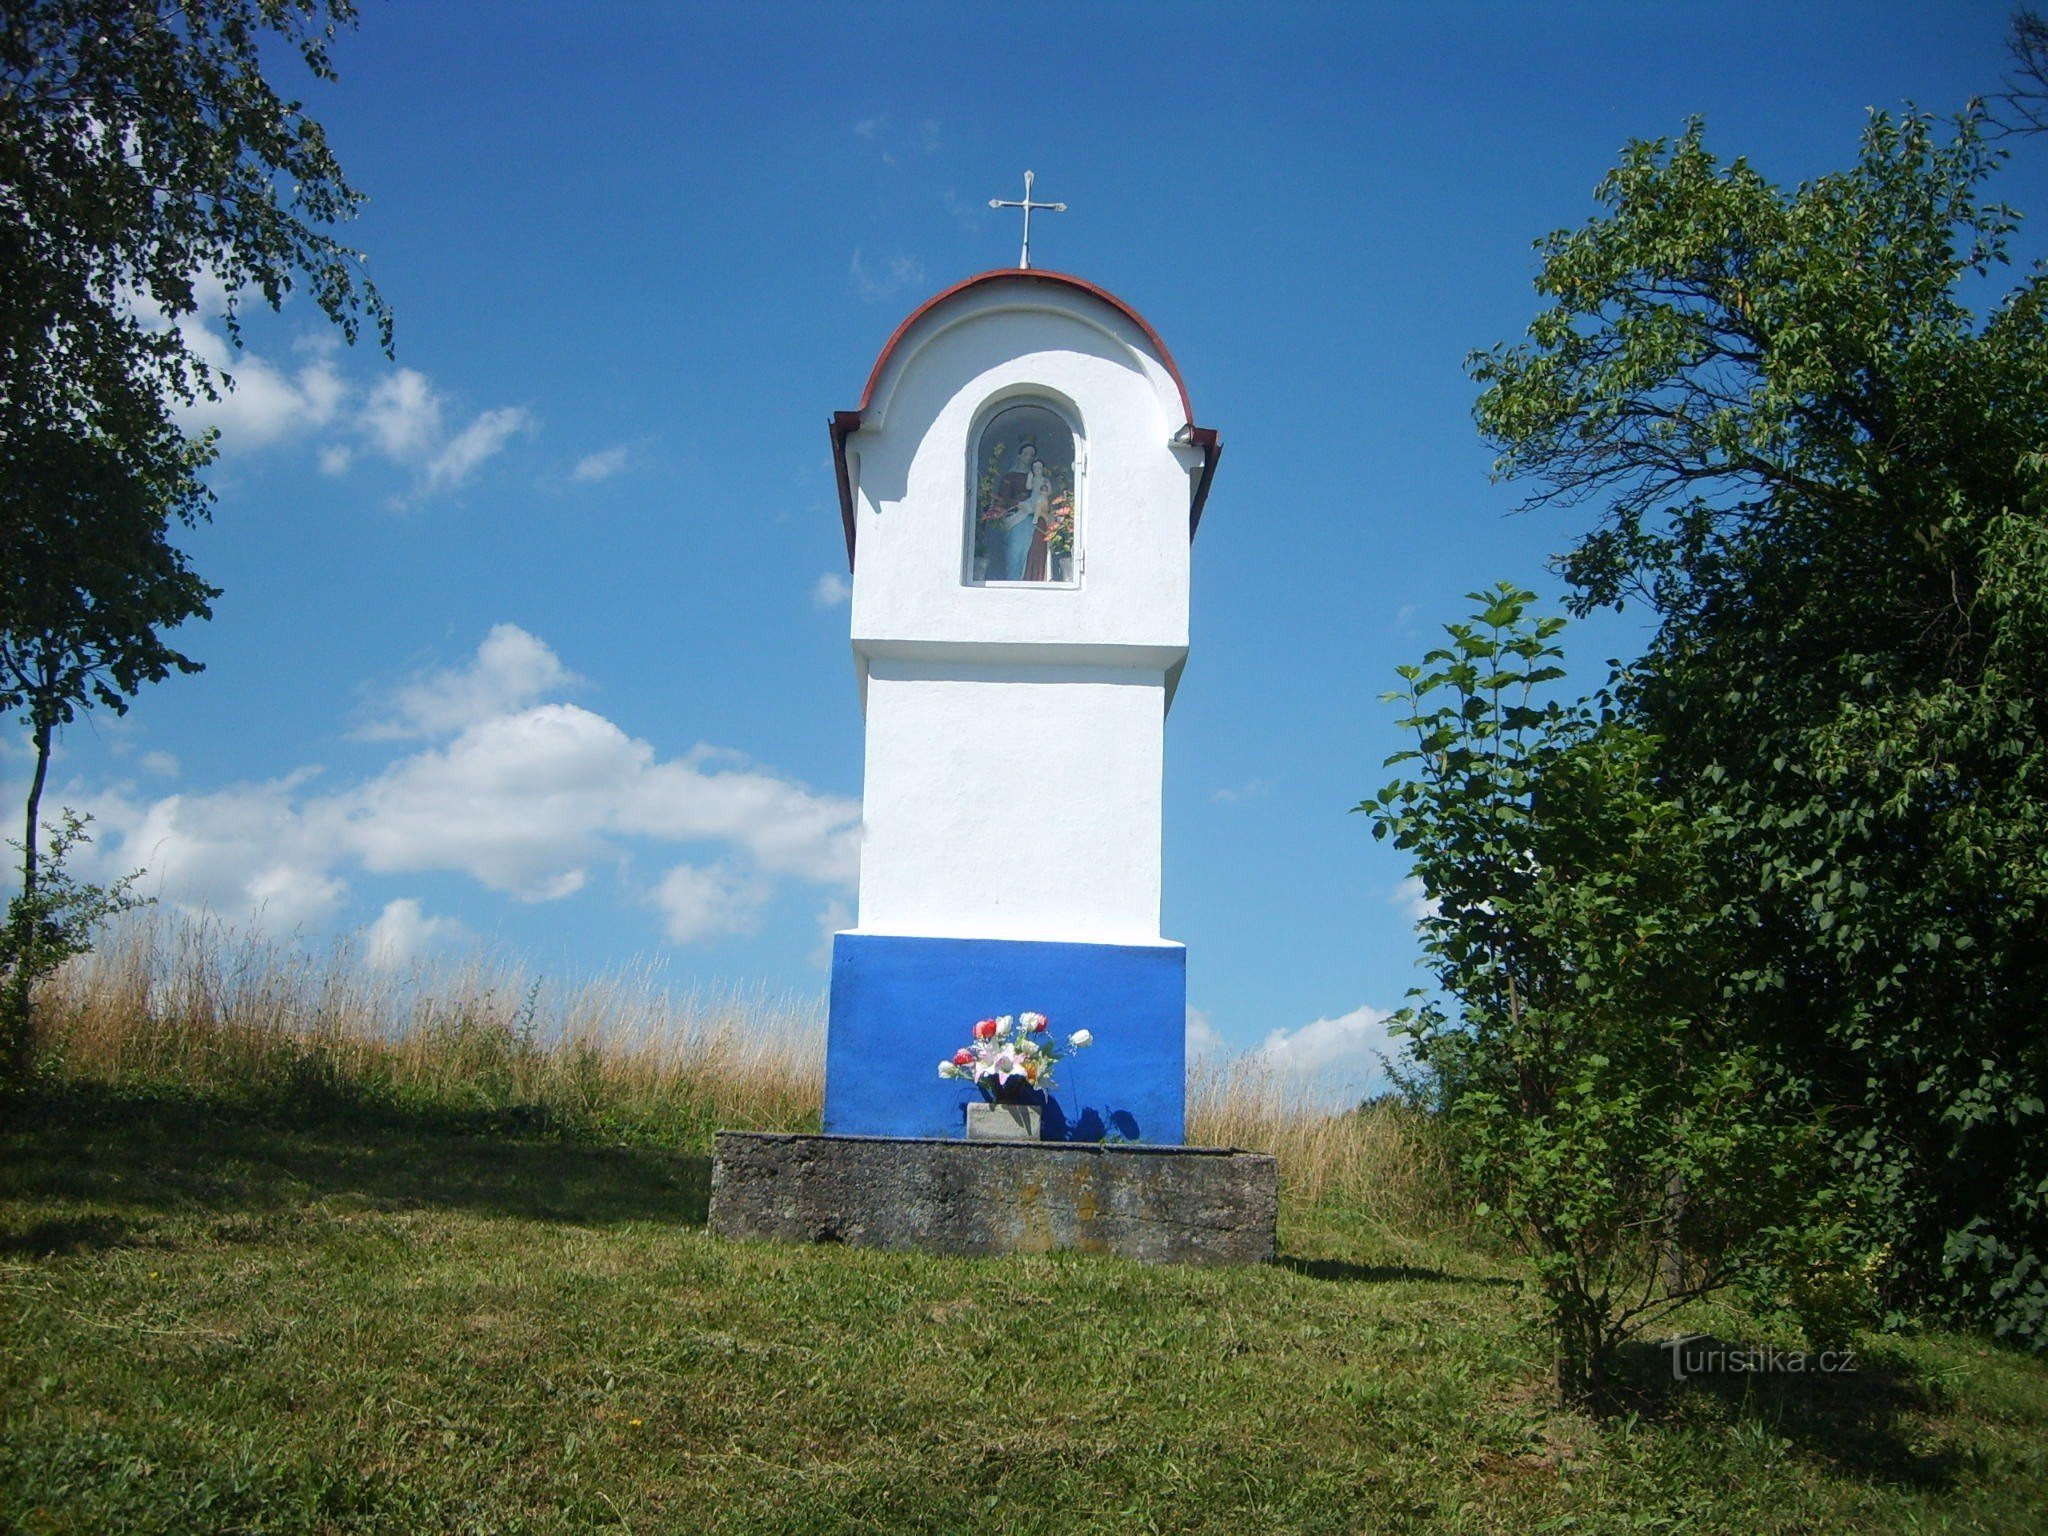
(1382,1158)
(199,1008)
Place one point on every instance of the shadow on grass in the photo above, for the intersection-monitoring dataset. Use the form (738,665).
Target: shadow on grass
(1382,1274)
(1854,1420)
(85,1234)
(122,1149)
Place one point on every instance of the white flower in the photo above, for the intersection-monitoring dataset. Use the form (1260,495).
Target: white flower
(947,1069)
(1080,1037)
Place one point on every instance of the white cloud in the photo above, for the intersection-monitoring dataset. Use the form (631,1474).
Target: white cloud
(259,402)
(923,136)
(404,419)
(157,762)
(700,904)
(601,465)
(322,343)
(902,272)
(1343,1052)
(787,828)
(512,669)
(285,896)
(403,932)
(1251,789)
(1413,898)
(1204,1039)
(400,416)
(526,803)
(830,590)
(834,916)
(246,853)
(857,274)
(516,802)
(530,799)
(403,415)
(480,441)
(969,215)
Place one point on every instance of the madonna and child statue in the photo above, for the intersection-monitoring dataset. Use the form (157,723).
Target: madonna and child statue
(1023,502)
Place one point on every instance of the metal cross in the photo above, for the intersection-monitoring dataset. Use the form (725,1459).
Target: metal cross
(1024,261)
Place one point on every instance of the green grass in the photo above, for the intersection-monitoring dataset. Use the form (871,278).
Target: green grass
(323,1318)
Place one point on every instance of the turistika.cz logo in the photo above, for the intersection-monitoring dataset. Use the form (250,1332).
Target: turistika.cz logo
(1696,1354)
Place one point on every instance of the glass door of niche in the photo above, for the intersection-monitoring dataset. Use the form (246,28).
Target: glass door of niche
(1023,499)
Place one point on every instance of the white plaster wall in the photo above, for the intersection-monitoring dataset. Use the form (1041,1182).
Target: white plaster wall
(1015,734)
(1012,802)
(911,465)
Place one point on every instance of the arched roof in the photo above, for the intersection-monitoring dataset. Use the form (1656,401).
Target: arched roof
(1026,274)
(846,423)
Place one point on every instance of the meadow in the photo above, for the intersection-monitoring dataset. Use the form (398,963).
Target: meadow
(288,1244)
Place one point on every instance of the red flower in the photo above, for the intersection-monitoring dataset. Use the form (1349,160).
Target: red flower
(985,1030)
(1041,1026)
(963,1057)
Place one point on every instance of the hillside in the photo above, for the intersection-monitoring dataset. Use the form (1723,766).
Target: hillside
(314,1304)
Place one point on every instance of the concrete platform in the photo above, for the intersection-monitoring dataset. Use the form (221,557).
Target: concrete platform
(1158,1205)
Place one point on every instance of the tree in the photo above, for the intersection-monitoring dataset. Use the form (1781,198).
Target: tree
(141,152)
(1605,1104)
(92,582)
(141,149)
(2022,107)
(47,926)
(1823,471)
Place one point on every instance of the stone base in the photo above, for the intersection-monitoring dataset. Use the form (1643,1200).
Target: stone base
(1158,1205)
(1003,1122)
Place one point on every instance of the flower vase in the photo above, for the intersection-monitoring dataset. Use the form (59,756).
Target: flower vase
(1062,567)
(1002,1122)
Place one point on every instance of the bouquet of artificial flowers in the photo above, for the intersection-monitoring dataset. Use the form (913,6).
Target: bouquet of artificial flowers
(1010,1055)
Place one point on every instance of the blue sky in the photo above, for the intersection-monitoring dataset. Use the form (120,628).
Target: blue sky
(536,637)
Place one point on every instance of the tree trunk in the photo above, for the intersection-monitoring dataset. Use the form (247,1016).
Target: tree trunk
(1581,1338)
(17,1024)
(1676,1273)
(31,832)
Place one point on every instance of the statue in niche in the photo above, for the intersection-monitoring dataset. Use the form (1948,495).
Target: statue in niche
(1024,504)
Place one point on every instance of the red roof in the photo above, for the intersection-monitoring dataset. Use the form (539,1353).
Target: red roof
(1027,274)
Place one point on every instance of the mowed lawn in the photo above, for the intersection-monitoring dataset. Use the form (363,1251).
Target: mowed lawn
(221,1319)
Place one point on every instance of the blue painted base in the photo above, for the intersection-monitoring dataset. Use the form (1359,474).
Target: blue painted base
(902,1005)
